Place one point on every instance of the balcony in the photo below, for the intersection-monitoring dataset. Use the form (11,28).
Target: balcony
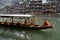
(35,0)
(38,6)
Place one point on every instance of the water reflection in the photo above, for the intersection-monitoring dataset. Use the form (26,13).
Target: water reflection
(42,34)
(14,34)
(22,34)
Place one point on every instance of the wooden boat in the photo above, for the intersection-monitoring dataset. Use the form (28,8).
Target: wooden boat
(28,24)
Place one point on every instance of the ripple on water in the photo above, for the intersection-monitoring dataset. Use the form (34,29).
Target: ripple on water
(1,30)
(6,38)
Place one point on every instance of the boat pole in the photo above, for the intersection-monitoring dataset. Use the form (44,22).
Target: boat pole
(12,19)
(28,20)
(3,19)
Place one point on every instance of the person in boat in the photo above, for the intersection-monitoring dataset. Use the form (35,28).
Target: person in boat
(46,24)
(32,22)
(25,23)
(11,23)
(6,23)
(18,23)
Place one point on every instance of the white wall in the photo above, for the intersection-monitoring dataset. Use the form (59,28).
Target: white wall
(44,1)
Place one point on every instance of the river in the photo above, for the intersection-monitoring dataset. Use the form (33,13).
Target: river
(24,34)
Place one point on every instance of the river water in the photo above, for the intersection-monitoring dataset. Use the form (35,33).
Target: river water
(24,34)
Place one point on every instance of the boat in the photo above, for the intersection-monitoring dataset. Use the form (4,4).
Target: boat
(28,23)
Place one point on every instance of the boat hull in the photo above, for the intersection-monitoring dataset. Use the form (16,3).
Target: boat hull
(25,27)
